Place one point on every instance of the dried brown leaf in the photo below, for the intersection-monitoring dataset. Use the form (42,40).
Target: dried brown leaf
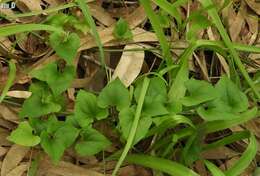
(19,170)
(129,65)
(13,158)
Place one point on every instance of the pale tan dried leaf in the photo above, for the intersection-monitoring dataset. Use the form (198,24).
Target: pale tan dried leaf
(6,124)
(236,26)
(129,65)
(8,114)
(13,158)
(101,15)
(106,35)
(219,153)
(29,5)
(19,94)
(202,64)
(67,169)
(19,170)
(3,135)
(222,60)
(3,151)
(255,5)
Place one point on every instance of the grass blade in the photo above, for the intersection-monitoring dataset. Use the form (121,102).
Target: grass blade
(245,159)
(167,166)
(158,30)
(18,28)
(213,169)
(86,12)
(11,78)
(217,21)
(134,125)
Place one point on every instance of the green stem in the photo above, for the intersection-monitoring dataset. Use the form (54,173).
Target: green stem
(134,126)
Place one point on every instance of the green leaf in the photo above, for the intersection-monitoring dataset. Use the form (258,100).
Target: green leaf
(230,103)
(214,169)
(57,20)
(92,142)
(23,135)
(167,166)
(58,80)
(55,144)
(245,160)
(40,103)
(199,92)
(122,30)
(114,94)
(199,22)
(155,99)
(86,109)
(231,97)
(65,46)
(126,118)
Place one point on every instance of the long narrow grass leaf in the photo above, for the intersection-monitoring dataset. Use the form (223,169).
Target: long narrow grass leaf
(245,160)
(11,78)
(167,166)
(158,30)
(18,28)
(132,132)
(86,12)
(215,171)
(217,21)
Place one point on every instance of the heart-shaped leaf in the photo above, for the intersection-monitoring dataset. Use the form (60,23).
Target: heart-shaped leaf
(114,94)
(23,135)
(92,142)
(55,144)
(126,118)
(86,109)
(122,30)
(40,103)
(58,81)
(199,92)
(65,46)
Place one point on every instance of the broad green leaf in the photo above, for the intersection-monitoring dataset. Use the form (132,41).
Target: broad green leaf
(58,80)
(215,171)
(213,126)
(55,144)
(245,160)
(92,142)
(114,94)
(66,46)
(231,97)
(228,105)
(57,20)
(155,99)
(40,103)
(23,135)
(122,30)
(86,109)
(126,118)
(199,92)
(167,166)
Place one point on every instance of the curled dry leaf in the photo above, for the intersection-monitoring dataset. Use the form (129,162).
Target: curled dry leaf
(8,114)
(19,170)
(2,151)
(19,94)
(13,158)
(254,5)
(129,65)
